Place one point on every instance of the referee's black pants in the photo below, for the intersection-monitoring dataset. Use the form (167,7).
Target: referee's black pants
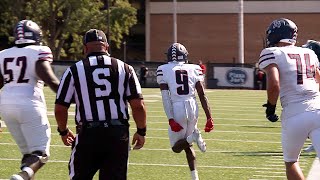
(103,149)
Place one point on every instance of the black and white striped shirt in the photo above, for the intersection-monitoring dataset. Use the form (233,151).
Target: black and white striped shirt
(101,86)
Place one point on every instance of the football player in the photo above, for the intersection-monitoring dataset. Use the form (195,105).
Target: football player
(24,69)
(179,82)
(315,46)
(292,73)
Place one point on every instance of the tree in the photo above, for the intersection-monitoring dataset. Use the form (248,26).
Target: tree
(64,22)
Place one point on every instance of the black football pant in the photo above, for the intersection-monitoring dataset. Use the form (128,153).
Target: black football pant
(104,149)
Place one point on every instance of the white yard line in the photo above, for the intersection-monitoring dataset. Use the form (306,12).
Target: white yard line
(166,165)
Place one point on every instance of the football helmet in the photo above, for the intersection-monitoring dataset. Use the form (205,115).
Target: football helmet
(314,45)
(177,53)
(27,32)
(281,30)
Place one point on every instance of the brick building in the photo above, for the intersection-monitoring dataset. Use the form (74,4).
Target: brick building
(209,29)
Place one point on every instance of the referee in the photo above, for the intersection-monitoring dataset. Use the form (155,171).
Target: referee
(101,87)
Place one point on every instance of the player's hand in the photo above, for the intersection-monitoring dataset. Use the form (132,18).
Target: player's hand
(176,127)
(68,139)
(138,141)
(271,112)
(209,125)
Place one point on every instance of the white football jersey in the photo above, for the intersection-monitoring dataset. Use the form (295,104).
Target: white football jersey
(297,72)
(22,85)
(181,79)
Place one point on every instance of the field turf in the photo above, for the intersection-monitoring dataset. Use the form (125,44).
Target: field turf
(243,146)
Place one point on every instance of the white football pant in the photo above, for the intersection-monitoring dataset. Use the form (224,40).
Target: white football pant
(29,127)
(186,114)
(295,131)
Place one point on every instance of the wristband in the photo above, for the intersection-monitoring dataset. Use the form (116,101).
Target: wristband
(142,131)
(63,133)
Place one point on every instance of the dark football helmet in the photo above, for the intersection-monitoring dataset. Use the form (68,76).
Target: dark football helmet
(314,45)
(281,30)
(177,53)
(27,32)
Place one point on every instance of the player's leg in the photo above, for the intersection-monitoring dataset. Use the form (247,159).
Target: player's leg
(36,130)
(192,135)
(191,158)
(294,134)
(197,138)
(193,111)
(315,135)
(178,139)
(10,117)
(308,149)
(294,171)
(30,164)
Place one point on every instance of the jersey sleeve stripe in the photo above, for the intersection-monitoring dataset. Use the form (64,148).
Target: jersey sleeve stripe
(159,72)
(266,59)
(134,86)
(268,54)
(65,92)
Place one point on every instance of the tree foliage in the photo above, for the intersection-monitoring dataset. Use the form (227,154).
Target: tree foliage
(64,22)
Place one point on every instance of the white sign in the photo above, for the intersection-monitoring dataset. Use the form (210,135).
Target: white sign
(234,76)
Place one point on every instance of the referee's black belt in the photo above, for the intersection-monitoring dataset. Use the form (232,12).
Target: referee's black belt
(105,124)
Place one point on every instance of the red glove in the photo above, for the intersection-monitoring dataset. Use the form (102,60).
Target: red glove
(209,125)
(174,125)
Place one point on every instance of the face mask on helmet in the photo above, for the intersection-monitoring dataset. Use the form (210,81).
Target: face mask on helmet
(177,53)
(27,32)
(281,30)
(314,45)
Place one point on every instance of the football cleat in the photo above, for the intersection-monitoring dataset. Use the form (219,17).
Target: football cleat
(309,149)
(196,135)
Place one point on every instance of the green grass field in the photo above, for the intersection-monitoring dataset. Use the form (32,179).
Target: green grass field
(243,146)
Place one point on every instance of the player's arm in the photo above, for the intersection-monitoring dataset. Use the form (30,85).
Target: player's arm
(166,100)
(205,105)
(273,83)
(45,73)
(199,79)
(268,63)
(168,107)
(273,90)
(203,99)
